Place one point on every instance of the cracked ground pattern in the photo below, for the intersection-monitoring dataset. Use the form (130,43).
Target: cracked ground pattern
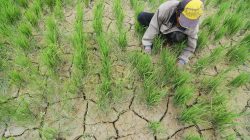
(77,117)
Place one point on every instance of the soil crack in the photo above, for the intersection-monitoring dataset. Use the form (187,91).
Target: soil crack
(181,129)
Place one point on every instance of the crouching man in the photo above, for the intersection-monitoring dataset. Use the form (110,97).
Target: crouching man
(177,21)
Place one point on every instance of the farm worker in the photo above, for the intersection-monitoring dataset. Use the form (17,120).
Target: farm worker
(177,21)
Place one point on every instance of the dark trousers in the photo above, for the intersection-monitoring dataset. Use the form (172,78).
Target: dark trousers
(144,19)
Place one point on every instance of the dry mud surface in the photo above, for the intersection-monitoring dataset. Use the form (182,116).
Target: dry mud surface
(128,119)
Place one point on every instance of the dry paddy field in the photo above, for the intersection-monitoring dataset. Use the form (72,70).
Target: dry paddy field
(75,70)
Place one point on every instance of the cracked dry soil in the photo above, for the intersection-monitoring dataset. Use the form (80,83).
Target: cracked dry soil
(79,118)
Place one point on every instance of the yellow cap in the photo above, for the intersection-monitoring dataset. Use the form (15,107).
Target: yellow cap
(193,9)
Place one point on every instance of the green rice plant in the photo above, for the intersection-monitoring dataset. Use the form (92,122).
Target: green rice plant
(50,58)
(234,22)
(104,93)
(50,3)
(181,78)
(168,61)
(211,84)
(238,55)
(87,2)
(58,9)
(222,118)
(23,3)
(203,38)
(153,93)
(37,7)
(23,61)
(240,80)
(143,64)
(179,47)
(246,40)
(223,7)
(98,16)
(122,39)
(52,33)
(32,18)
(22,42)
(193,137)
(10,12)
(183,94)
(6,31)
(48,133)
(3,57)
(210,60)
(220,33)
(157,44)
(155,127)
(218,98)
(80,59)
(104,48)
(119,14)
(106,68)
(25,29)
(16,78)
(196,114)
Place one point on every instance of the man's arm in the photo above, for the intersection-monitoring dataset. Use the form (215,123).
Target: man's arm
(191,46)
(161,14)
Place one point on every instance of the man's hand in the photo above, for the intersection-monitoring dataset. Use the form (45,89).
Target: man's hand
(148,49)
(181,63)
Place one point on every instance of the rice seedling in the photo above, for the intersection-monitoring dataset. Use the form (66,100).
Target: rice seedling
(238,55)
(234,22)
(103,45)
(25,29)
(203,39)
(52,34)
(16,78)
(106,68)
(58,9)
(104,93)
(122,39)
(143,64)
(22,42)
(37,7)
(50,3)
(80,59)
(222,118)
(50,58)
(11,12)
(118,10)
(87,2)
(210,60)
(195,114)
(193,137)
(181,78)
(98,16)
(179,47)
(223,7)
(155,127)
(213,23)
(220,33)
(157,44)
(23,3)
(218,98)
(23,61)
(246,40)
(211,84)
(32,18)
(183,94)
(240,80)
(153,93)
(169,65)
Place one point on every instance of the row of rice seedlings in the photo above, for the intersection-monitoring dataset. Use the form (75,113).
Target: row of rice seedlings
(210,85)
(34,12)
(58,11)
(143,64)
(153,93)
(138,7)
(183,94)
(234,22)
(119,14)
(168,61)
(98,16)
(10,12)
(80,59)
(210,60)
(196,114)
(203,39)
(222,118)
(240,80)
(238,55)
(50,55)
